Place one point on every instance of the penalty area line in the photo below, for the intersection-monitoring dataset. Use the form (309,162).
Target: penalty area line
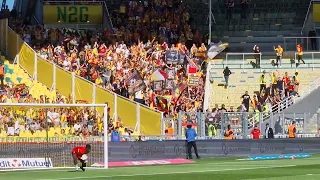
(167,173)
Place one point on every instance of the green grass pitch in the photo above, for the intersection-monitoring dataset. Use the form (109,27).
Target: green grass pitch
(215,168)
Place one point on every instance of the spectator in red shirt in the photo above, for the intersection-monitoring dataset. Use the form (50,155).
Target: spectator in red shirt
(256,132)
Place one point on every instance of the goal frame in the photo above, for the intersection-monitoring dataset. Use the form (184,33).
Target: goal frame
(105,124)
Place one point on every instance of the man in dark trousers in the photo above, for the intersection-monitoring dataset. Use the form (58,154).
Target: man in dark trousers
(256,49)
(226,74)
(312,35)
(191,141)
(269,132)
(2,72)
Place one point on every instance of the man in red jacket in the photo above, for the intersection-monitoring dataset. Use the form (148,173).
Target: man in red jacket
(80,153)
(256,132)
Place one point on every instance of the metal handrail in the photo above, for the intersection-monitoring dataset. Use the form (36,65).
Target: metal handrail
(306,18)
(312,58)
(243,54)
(304,40)
(106,7)
(35,18)
(292,99)
(301,37)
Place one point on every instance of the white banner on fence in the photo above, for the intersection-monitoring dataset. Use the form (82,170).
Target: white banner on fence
(20,163)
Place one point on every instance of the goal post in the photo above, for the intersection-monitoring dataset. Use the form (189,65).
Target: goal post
(42,136)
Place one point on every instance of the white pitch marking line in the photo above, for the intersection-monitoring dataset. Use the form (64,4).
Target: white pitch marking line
(165,173)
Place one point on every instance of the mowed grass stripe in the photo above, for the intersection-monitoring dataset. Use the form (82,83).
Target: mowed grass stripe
(168,173)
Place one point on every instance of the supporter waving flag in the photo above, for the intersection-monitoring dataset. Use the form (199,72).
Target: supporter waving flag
(159,75)
(179,89)
(216,48)
(135,82)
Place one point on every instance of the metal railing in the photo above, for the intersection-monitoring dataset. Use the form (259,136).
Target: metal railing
(306,123)
(107,11)
(313,54)
(306,18)
(304,41)
(36,19)
(242,61)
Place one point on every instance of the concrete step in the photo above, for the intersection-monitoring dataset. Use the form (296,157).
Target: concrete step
(268,66)
(260,33)
(252,39)
(264,47)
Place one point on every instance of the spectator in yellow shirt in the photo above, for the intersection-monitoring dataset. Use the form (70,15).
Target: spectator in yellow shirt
(279,52)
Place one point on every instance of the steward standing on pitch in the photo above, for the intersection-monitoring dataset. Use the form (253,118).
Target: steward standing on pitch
(292,130)
(191,141)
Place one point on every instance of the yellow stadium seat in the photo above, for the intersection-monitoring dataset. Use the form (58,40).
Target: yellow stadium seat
(28,134)
(43,134)
(22,134)
(3,134)
(57,130)
(51,134)
(35,134)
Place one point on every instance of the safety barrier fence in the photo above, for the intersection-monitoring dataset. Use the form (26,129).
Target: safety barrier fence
(307,43)
(249,61)
(145,120)
(243,123)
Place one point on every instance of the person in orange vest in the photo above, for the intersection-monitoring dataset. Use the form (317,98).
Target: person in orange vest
(292,130)
(169,132)
(300,53)
(2,75)
(229,133)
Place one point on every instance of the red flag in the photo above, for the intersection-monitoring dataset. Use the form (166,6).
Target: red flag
(192,69)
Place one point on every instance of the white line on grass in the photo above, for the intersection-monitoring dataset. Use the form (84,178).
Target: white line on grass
(61,169)
(165,173)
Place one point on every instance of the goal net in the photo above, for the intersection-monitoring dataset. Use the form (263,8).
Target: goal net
(41,136)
